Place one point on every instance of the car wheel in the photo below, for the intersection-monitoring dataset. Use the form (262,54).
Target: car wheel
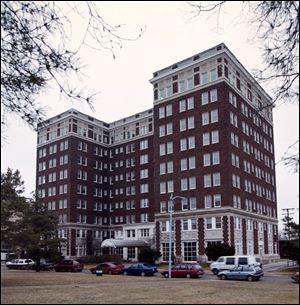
(223,277)
(249,278)
(166,275)
(125,273)
(143,274)
(109,271)
(215,271)
(188,276)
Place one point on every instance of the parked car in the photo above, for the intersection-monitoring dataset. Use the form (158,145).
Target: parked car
(229,262)
(109,268)
(44,265)
(140,269)
(69,265)
(248,273)
(295,276)
(20,264)
(184,270)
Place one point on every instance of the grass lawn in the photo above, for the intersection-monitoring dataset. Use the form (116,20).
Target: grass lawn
(78,288)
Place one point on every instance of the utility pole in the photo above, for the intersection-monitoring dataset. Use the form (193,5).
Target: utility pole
(288,225)
(288,220)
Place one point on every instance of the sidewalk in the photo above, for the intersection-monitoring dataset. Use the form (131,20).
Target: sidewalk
(283,263)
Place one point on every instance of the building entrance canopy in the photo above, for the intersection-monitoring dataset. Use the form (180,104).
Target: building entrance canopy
(115,243)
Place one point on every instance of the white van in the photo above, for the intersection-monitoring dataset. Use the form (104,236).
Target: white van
(228,262)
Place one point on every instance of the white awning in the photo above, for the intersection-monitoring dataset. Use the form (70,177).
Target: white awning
(114,243)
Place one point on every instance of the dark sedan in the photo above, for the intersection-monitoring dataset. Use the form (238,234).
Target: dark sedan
(140,269)
(68,265)
(248,273)
(184,270)
(109,268)
(44,265)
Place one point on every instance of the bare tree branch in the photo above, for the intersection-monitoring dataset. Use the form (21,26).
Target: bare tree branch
(31,58)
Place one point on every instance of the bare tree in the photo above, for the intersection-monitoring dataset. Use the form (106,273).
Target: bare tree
(35,50)
(277,30)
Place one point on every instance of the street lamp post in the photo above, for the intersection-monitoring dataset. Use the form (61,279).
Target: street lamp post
(171,202)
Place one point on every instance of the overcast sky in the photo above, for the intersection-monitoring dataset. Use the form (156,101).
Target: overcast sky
(171,35)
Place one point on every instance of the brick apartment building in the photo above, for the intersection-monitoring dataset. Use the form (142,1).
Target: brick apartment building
(208,138)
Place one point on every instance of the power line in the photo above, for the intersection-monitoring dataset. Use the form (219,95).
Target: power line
(288,220)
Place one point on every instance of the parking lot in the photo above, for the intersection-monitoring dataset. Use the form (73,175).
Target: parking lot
(30,287)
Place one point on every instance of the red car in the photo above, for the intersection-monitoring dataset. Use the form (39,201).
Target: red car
(184,270)
(109,268)
(295,277)
(68,265)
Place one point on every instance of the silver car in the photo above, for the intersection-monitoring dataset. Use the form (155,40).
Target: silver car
(248,273)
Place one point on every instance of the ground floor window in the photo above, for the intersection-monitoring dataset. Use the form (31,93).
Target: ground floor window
(119,251)
(131,253)
(190,251)
(165,251)
(238,247)
(250,247)
(80,250)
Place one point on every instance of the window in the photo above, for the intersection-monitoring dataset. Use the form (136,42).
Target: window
(191,122)
(215,136)
(166,148)
(193,203)
(163,207)
(188,183)
(161,112)
(208,201)
(190,251)
(218,222)
(235,160)
(183,164)
(217,200)
(236,181)
(216,179)
(236,201)
(165,251)
(216,158)
(166,187)
(213,74)
(182,106)
(204,78)
(206,139)
(143,144)
(144,173)
(190,103)
(213,95)
(205,118)
(184,184)
(144,188)
(204,98)
(162,131)
(234,139)
(185,225)
(207,180)
(144,217)
(214,116)
(208,221)
(189,163)
(232,99)
(143,159)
